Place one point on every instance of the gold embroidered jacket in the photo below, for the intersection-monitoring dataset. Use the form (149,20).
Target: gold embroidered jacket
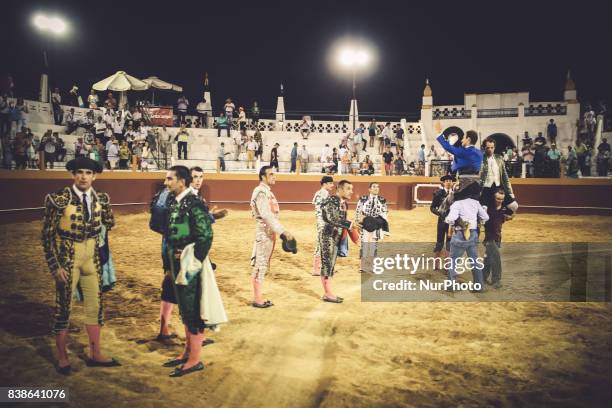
(64,223)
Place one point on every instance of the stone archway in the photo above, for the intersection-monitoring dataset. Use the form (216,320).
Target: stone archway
(502,141)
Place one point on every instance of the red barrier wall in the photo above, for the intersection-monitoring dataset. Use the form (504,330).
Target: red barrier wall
(22,192)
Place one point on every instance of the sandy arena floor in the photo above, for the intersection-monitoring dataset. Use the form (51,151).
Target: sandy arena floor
(303,352)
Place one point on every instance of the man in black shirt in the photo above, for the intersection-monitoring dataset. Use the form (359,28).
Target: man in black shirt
(388,159)
(274,157)
(498,214)
(442,228)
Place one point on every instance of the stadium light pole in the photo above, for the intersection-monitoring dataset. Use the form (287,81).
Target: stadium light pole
(48,26)
(354,58)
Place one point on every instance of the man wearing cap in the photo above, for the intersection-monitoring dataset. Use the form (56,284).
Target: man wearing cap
(333,210)
(73,221)
(265,210)
(375,206)
(327,186)
(436,202)
(493,175)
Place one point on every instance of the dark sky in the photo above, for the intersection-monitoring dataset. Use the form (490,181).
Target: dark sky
(249,49)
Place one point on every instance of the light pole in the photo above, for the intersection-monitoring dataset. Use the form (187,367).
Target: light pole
(354,58)
(53,26)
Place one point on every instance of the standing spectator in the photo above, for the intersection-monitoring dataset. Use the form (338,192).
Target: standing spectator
(399,139)
(251,148)
(603,158)
(304,159)
(554,157)
(110,102)
(383,136)
(221,155)
(581,153)
(137,153)
(572,163)
(326,157)
(359,140)
(345,161)
(229,109)
(305,127)
(255,113)
(294,156)
(372,131)
(118,127)
(182,104)
(432,154)
(92,100)
(242,120)
(182,137)
(589,121)
(75,98)
(49,147)
(539,157)
(124,155)
(21,110)
(421,156)
(551,131)
(388,160)
(527,140)
(99,128)
(274,157)
(31,153)
(7,152)
(5,119)
(259,141)
(222,123)
(237,146)
(147,156)
(202,109)
(112,154)
(56,106)
(528,155)
(498,214)
(20,151)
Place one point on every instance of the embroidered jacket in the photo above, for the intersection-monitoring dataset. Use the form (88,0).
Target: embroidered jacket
(334,215)
(64,222)
(265,209)
(317,200)
(188,222)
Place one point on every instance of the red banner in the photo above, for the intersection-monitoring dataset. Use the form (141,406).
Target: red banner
(161,115)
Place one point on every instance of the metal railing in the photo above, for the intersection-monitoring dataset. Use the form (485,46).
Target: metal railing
(498,113)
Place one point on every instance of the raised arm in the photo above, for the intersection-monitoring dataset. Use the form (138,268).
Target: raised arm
(447,146)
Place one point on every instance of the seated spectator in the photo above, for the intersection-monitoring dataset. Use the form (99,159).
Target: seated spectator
(345,162)
(49,147)
(355,164)
(147,157)
(60,149)
(305,127)
(137,153)
(112,154)
(400,166)
(110,102)
(79,148)
(71,122)
(20,151)
(367,167)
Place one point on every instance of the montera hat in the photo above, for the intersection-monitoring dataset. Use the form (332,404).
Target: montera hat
(84,163)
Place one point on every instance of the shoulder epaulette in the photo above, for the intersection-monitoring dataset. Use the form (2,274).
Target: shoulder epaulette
(103,197)
(60,198)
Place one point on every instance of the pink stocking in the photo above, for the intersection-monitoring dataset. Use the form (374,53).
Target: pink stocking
(165,313)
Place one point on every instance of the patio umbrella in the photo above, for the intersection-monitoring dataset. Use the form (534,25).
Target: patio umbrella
(155,82)
(122,82)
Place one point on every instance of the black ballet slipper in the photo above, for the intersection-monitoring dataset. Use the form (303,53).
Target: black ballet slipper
(175,362)
(338,299)
(93,363)
(179,371)
(206,342)
(66,370)
(263,305)
(164,337)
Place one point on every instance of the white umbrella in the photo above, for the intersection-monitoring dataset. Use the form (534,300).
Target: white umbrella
(120,81)
(155,82)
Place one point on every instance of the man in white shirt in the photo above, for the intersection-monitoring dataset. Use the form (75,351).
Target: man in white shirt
(112,154)
(237,146)
(465,215)
(202,109)
(493,175)
(303,154)
(251,148)
(181,106)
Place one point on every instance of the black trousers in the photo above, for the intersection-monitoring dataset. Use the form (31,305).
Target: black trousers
(274,163)
(442,236)
(182,146)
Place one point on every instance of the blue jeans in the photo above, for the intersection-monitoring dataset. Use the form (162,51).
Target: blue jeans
(222,163)
(458,246)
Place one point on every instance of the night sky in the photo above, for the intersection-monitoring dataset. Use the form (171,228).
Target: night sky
(249,48)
